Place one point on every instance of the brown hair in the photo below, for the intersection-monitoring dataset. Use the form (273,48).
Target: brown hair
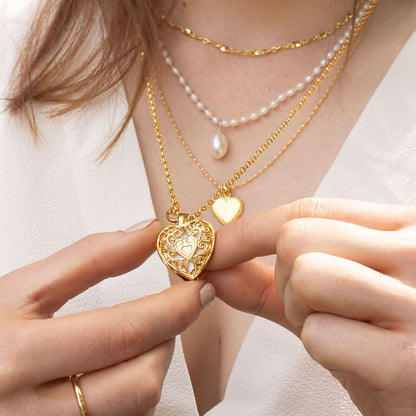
(56,67)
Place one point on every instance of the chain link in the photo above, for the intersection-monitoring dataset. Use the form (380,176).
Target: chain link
(173,212)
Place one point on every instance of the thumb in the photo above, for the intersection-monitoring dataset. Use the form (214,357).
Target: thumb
(250,288)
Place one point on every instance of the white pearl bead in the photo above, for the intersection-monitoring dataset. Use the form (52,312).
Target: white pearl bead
(194,98)
(182,80)
(316,70)
(291,92)
(300,86)
(243,120)
(188,89)
(208,113)
(281,98)
(200,105)
(263,111)
(273,104)
(215,120)
(219,145)
(225,123)
(168,60)
(330,55)
(253,116)
(323,63)
(308,79)
(347,34)
(233,122)
(165,53)
(337,47)
(175,71)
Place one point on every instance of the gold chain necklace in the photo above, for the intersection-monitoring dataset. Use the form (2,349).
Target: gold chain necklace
(256,52)
(187,245)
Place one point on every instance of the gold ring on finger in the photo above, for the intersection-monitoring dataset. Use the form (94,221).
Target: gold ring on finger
(78,394)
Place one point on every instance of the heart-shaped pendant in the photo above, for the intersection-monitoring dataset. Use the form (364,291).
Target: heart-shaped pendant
(186,247)
(227,208)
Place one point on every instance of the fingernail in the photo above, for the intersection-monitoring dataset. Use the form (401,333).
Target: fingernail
(207,295)
(140,225)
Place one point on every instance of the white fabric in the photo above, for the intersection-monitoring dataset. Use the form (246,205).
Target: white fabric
(55,193)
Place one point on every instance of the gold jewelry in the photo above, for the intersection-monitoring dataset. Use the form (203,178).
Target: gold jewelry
(227,207)
(187,245)
(78,394)
(255,52)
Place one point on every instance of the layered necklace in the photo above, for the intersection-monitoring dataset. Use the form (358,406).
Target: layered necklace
(187,244)
(219,143)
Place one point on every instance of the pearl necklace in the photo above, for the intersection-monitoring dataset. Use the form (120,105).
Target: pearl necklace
(264,110)
(219,143)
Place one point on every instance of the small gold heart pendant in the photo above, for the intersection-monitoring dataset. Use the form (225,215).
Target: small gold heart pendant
(227,208)
(186,247)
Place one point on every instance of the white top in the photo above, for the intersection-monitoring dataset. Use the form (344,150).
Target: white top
(54,194)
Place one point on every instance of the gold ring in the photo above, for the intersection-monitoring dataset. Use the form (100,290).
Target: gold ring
(78,394)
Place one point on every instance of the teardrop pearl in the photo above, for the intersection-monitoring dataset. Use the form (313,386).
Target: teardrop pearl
(219,145)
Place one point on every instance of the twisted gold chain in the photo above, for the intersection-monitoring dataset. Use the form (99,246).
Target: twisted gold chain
(256,52)
(173,213)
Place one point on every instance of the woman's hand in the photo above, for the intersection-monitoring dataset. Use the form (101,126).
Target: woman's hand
(123,352)
(344,281)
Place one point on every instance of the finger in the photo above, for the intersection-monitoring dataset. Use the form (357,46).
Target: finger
(372,248)
(132,387)
(343,344)
(250,287)
(51,282)
(139,384)
(96,339)
(256,235)
(324,283)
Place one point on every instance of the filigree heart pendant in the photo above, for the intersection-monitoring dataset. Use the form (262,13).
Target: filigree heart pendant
(186,247)
(227,208)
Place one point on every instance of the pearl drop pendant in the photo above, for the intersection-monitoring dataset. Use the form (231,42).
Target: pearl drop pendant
(219,145)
